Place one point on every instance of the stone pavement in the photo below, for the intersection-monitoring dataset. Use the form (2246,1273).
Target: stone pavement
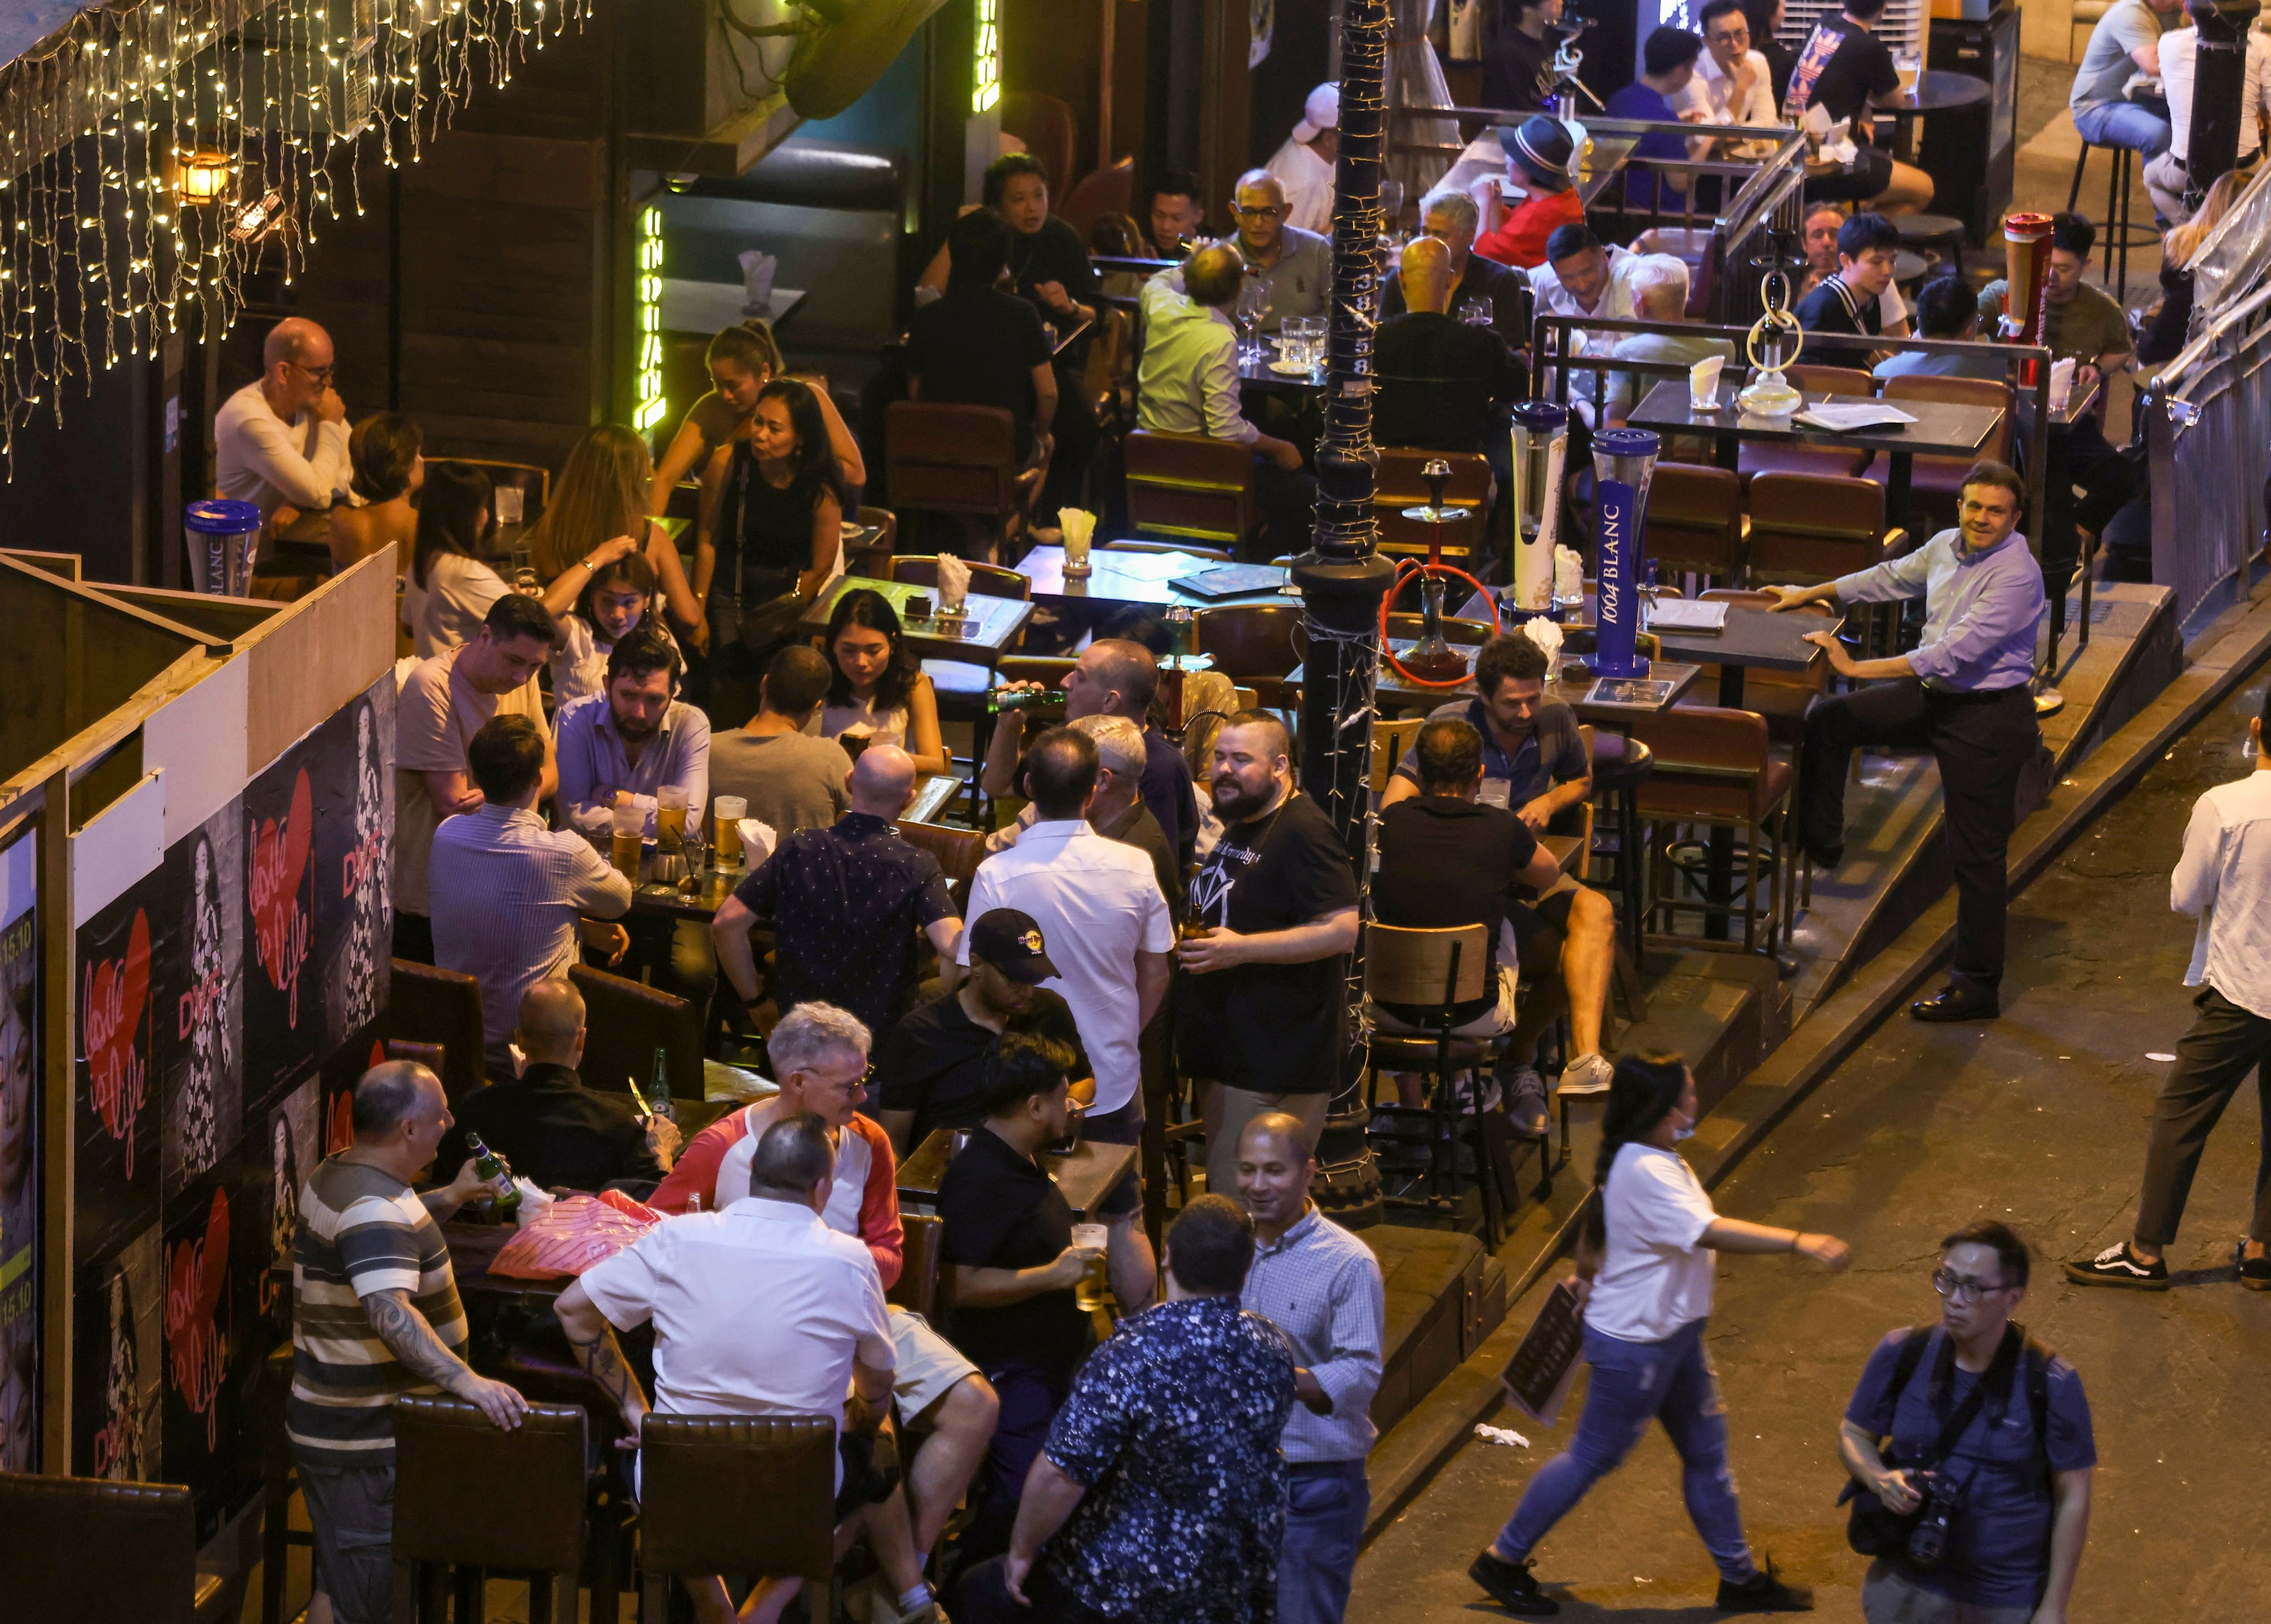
(2039,1119)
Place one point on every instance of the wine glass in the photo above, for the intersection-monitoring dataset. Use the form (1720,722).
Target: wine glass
(1252,311)
(1475,312)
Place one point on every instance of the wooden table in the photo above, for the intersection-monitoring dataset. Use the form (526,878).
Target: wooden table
(1394,689)
(1083,1178)
(688,306)
(978,637)
(1942,429)
(1752,637)
(1145,578)
(1938,90)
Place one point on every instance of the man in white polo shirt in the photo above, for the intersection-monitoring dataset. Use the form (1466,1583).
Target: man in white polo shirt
(762,1309)
(1100,910)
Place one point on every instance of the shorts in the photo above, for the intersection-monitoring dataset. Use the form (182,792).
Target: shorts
(351,1509)
(1493,1022)
(1869,174)
(927,1365)
(1124,1126)
(861,1479)
(1527,923)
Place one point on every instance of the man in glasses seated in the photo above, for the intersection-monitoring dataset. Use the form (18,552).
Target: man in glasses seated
(1293,267)
(281,442)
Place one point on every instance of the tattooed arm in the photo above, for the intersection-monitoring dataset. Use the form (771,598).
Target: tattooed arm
(601,1357)
(411,1340)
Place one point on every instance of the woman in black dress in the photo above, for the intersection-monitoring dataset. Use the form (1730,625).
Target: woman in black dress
(768,543)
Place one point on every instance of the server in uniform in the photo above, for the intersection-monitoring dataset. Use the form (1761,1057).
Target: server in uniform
(1964,693)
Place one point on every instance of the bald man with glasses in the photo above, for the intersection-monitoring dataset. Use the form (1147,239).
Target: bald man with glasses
(281,442)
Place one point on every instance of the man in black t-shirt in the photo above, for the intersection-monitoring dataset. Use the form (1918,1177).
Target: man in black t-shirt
(1845,70)
(930,1067)
(1012,1270)
(1851,300)
(1259,1001)
(1446,859)
(977,345)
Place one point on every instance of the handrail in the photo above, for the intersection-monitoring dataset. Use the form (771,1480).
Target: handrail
(2172,376)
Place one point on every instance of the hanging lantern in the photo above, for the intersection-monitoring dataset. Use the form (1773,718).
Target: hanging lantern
(202,177)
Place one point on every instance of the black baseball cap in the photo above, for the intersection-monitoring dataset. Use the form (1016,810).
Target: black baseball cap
(1010,940)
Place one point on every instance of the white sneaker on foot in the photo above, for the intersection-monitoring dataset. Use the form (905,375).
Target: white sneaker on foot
(1588,1073)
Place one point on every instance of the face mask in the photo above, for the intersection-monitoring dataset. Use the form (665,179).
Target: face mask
(1687,1132)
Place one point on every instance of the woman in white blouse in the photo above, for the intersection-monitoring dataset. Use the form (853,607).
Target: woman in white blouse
(1644,1275)
(449,589)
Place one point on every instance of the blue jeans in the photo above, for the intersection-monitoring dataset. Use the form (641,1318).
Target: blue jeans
(2123,123)
(1325,1503)
(1634,1383)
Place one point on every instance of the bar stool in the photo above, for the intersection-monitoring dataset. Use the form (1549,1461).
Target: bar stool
(451,1465)
(2117,235)
(1621,764)
(1937,234)
(748,1494)
(89,1551)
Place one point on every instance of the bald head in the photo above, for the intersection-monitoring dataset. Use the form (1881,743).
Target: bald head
(1280,1129)
(883,780)
(295,339)
(1426,275)
(295,360)
(1259,185)
(551,1028)
(1213,276)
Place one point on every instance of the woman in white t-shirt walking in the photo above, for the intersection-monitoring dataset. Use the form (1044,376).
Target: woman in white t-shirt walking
(1644,1274)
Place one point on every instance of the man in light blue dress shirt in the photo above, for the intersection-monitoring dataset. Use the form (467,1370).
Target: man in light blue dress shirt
(1321,1287)
(1964,693)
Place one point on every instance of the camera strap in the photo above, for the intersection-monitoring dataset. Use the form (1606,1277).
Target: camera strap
(1996,1377)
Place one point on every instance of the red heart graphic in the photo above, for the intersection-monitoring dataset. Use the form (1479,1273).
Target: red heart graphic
(197,1275)
(114,992)
(279,859)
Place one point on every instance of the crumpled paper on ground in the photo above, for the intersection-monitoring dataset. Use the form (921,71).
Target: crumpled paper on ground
(1506,1435)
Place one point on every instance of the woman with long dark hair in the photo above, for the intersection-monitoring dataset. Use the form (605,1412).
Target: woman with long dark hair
(742,360)
(769,540)
(449,588)
(1644,1272)
(876,689)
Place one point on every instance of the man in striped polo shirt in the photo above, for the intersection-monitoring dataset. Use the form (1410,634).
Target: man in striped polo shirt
(375,1314)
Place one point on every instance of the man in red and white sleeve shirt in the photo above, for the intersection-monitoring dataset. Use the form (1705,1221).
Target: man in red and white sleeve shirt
(819,1053)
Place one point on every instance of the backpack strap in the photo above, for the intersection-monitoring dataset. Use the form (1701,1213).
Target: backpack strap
(2037,1366)
(1904,1366)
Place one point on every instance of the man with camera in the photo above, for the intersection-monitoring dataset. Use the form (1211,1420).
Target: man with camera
(1971,1453)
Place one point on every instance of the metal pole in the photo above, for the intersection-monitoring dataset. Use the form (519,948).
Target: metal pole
(1344,578)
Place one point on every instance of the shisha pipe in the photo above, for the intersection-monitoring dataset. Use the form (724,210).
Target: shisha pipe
(1770,393)
(1434,662)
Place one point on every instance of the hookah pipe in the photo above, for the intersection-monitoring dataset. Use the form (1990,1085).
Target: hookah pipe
(1433,654)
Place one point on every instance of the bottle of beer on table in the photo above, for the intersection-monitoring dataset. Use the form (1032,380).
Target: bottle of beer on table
(498,1170)
(658,1088)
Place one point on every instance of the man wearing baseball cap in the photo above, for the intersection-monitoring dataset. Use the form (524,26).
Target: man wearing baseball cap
(1306,163)
(930,1069)
(1538,153)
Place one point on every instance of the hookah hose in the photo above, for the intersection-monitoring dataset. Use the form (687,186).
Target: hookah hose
(1412,570)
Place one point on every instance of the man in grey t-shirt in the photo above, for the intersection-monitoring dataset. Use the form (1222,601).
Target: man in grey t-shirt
(2125,43)
(790,780)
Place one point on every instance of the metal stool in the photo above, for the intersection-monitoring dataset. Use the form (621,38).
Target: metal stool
(1939,234)
(1621,764)
(2117,235)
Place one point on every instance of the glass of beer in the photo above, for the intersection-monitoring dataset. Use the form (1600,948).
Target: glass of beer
(726,813)
(630,830)
(1089,1292)
(670,817)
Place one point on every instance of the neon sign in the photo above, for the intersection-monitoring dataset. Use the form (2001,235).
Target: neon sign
(651,406)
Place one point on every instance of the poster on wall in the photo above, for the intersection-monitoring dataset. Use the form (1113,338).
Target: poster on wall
(283,1008)
(208,1341)
(20,1159)
(292,1147)
(120,1356)
(117,1160)
(354,777)
(201,999)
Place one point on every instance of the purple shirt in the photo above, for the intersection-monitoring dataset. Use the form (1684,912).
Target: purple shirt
(1981,610)
(592,759)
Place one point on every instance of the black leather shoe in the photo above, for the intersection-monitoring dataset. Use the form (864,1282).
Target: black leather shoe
(1958,1002)
(1825,858)
(1512,1586)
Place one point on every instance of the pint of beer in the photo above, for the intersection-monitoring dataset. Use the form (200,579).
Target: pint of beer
(670,817)
(630,830)
(726,813)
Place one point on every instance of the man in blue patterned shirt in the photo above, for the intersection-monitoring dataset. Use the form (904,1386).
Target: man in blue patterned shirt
(1170,1492)
(1321,1285)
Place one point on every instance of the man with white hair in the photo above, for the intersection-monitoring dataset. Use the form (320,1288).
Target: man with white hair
(819,1058)
(1116,811)
(1659,285)
(281,440)
(1452,218)
(1306,162)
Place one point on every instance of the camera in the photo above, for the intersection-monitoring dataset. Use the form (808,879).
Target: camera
(1928,1535)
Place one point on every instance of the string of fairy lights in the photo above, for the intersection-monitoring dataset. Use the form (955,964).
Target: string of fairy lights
(154,154)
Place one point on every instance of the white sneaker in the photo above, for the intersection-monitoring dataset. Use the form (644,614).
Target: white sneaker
(1588,1073)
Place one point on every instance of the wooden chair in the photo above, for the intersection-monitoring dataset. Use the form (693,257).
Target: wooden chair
(1391,741)
(959,851)
(872,560)
(1045,125)
(1758,458)
(432,1005)
(1458,632)
(959,461)
(752,1495)
(1809,528)
(1398,486)
(1189,488)
(450,1463)
(90,1550)
(1435,970)
(1109,190)
(1253,644)
(917,1286)
(1715,770)
(986,580)
(625,1021)
(1936,483)
(1694,523)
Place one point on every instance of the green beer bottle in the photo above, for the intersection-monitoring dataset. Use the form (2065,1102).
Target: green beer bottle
(498,1171)
(658,1088)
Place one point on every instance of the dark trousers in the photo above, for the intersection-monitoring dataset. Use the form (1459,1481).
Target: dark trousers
(2225,1043)
(983,1597)
(1982,743)
(414,938)
(1288,501)
(1030,1399)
